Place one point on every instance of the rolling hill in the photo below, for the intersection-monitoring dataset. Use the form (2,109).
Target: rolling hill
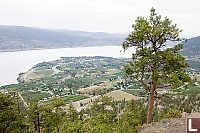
(24,38)
(192,47)
(14,38)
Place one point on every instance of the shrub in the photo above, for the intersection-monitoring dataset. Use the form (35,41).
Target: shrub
(173,113)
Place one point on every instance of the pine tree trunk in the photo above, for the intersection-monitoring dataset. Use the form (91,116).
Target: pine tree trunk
(38,122)
(58,129)
(152,91)
(150,106)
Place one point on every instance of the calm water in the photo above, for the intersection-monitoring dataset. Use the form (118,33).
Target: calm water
(13,63)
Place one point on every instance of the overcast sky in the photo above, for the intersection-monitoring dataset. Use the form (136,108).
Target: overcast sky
(97,15)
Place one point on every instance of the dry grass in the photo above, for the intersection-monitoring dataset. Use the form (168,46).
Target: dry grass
(90,89)
(37,74)
(120,95)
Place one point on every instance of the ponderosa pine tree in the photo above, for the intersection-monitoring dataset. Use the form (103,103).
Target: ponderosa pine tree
(153,64)
(34,115)
(10,119)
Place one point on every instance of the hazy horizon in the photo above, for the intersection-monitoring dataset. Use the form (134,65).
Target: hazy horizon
(97,15)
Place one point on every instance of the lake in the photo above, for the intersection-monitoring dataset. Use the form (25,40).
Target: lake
(13,63)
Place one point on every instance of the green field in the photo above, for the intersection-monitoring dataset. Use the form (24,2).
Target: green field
(28,96)
(140,93)
(69,99)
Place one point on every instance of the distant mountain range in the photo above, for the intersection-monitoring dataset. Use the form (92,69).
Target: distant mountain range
(14,38)
(24,38)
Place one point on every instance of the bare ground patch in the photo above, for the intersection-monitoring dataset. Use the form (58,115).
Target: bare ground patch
(120,95)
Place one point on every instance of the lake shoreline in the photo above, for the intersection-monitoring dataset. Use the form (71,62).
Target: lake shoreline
(16,62)
(31,49)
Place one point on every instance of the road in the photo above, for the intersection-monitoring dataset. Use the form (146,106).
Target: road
(25,104)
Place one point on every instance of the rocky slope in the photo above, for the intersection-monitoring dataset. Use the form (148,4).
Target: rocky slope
(177,125)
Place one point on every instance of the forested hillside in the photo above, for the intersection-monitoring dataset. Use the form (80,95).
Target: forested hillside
(192,47)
